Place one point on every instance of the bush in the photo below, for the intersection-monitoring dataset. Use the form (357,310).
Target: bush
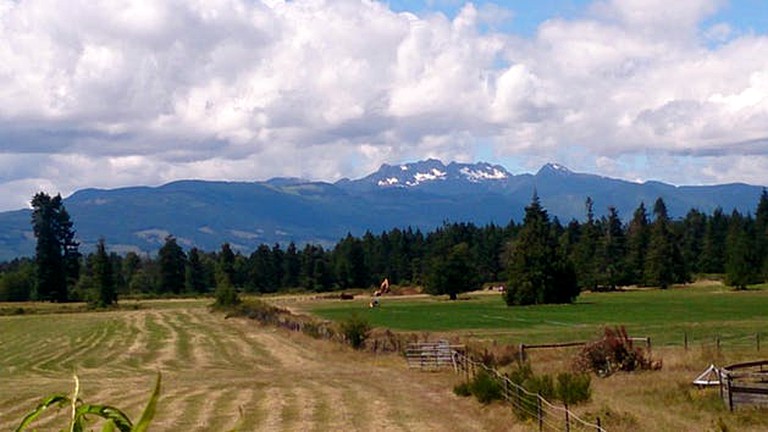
(356,330)
(485,387)
(462,389)
(570,389)
(573,388)
(225,294)
(614,352)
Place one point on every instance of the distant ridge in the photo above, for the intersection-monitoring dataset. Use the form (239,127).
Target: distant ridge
(422,194)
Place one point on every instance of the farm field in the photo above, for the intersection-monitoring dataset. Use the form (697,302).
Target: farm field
(211,367)
(648,401)
(703,311)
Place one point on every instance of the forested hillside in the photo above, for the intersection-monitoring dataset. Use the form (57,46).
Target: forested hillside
(651,249)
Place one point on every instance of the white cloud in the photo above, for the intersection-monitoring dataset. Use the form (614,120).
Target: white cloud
(107,93)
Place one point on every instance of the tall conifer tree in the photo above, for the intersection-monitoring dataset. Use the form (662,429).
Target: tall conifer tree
(538,273)
(57,258)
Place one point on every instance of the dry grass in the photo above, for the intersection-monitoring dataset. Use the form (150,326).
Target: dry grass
(663,400)
(212,366)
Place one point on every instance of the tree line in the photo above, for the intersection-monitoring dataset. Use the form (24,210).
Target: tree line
(540,260)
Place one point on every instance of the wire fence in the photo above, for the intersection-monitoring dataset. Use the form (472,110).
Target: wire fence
(723,341)
(544,415)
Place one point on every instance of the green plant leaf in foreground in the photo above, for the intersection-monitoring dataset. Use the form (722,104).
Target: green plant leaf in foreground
(61,400)
(149,411)
(113,415)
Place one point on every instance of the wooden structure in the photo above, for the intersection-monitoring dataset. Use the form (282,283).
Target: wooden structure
(745,384)
(432,355)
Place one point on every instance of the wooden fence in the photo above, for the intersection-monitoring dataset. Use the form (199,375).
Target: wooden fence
(744,384)
(547,416)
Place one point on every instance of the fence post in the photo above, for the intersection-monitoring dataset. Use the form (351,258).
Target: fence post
(730,393)
(521,348)
(757,341)
(717,342)
(466,368)
(599,425)
(567,418)
(648,343)
(539,412)
(685,340)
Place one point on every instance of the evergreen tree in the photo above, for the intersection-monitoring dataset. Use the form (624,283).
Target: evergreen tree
(761,234)
(291,266)
(278,263)
(195,280)
(694,231)
(712,258)
(538,273)
(172,263)
(131,265)
(488,249)
(612,251)
(349,263)
(103,276)
(741,258)
(315,271)
(57,258)
(638,235)
(263,275)
(454,273)
(664,264)
(585,250)
(226,263)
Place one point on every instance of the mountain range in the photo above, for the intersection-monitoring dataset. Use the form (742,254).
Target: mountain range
(421,195)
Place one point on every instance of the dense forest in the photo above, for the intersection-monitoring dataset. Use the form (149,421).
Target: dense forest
(540,260)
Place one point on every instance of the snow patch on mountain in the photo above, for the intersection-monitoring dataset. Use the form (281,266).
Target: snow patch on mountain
(478,175)
(434,174)
(391,181)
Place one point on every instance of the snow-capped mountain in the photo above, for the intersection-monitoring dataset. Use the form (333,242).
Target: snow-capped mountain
(431,170)
(433,173)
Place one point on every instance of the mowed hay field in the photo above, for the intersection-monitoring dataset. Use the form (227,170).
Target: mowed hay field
(212,366)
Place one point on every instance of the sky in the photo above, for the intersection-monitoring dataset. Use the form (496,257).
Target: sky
(121,93)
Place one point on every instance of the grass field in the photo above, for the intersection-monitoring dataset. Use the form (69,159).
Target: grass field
(703,312)
(649,401)
(211,367)
(284,381)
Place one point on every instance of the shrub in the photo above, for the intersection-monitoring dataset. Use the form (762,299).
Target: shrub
(569,388)
(356,330)
(573,388)
(225,294)
(614,352)
(543,385)
(462,389)
(485,387)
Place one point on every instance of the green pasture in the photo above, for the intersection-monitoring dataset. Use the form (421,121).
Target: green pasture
(703,312)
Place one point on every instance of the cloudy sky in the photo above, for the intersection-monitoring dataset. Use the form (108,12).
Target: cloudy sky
(141,92)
